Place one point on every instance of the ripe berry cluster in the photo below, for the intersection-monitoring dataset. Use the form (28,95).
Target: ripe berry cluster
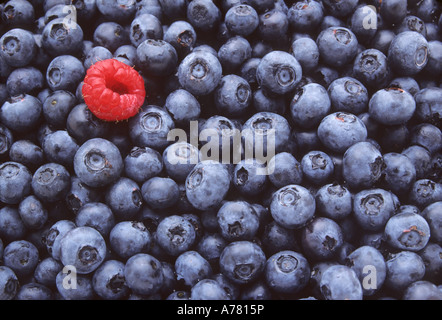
(91,182)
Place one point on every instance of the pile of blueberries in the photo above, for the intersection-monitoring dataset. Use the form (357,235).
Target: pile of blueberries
(352,209)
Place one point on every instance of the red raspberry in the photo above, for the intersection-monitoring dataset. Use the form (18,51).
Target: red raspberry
(113,91)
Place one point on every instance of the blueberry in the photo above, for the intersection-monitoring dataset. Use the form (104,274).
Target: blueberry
(210,247)
(9,283)
(208,289)
(110,35)
(108,281)
(324,75)
(340,10)
(276,238)
(191,267)
(157,57)
(83,248)
(428,136)
(424,192)
(310,105)
(60,147)
(11,226)
(170,281)
(18,47)
(362,165)
(306,51)
(83,125)
(408,53)
(287,170)
(22,257)
(200,73)
(27,80)
(65,72)
(334,201)
(373,208)
(96,215)
(273,26)
(412,23)
(57,106)
(98,163)
(317,167)
(126,51)
(173,9)
(279,72)
(79,194)
(233,105)
(258,290)
(51,182)
(207,184)
(430,256)
(321,239)
(233,53)
(46,271)
(337,46)
(151,127)
(371,68)
(135,164)
(182,36)
(341,130)
(15,180)
(160,193)
(97,53)
(143,274)
(403,268)
(242,262)
(34,291)
(32,212)
(175,234)
(287,272)
(60,38)
(249,177)
(422,290)
(393,11)
(114,10)
(400,104)
(204,15)
(128,238)
(434,66)
(428,108)
(242,19)
(18,13)
(124,198)
(340,282)
(399,173)
(179,160)
(53,236)
(433,217)
(84,289)
(237,221)
(12,110)
(6,141)
(306,15)
(407,231)
(292,206)
(420,157)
